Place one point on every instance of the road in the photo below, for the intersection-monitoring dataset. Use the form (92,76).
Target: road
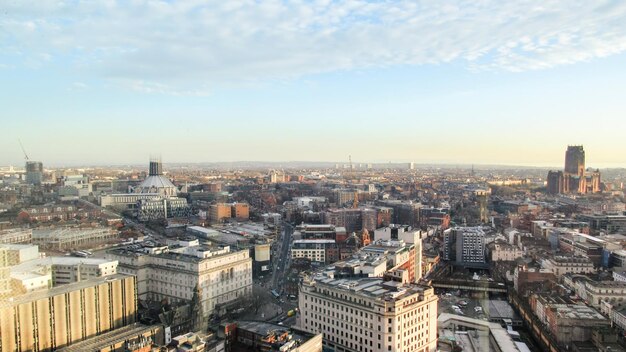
(282,256)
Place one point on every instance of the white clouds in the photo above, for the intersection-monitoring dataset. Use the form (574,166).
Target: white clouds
(191,46)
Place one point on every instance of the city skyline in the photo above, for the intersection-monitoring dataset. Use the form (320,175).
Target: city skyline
(483,83)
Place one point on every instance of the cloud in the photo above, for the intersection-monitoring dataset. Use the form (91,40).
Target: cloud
(193,46)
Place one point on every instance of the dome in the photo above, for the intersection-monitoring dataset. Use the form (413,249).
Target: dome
(156,182)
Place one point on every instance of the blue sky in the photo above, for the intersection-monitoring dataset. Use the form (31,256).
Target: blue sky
(98,82)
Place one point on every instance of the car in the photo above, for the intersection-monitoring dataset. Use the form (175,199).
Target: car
(478,309)
(448,294)
(455,307)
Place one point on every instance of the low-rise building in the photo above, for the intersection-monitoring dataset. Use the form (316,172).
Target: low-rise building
(573,323)
(561,265)
(16,236)
(502,251)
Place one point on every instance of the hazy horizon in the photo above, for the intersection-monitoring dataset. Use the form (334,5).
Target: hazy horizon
(91,82)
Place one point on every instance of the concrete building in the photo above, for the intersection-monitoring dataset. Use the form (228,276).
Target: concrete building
(465,246)
(222,211)
(321,251)
(44,272)
(262,336)
(162,208)
(613,292)
(502,251)
(561,265)
(573,323)
(70,238)
(475,335)
(217,275)
(16,236)
(34,172)
(408,235)
(61,316)
(369,315)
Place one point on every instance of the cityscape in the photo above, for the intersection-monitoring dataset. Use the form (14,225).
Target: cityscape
(317,176)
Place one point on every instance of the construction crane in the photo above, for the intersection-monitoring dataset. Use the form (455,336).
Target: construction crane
(23,150)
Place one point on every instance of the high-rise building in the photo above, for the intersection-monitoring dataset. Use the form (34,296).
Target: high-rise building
(369,315)
(34,172)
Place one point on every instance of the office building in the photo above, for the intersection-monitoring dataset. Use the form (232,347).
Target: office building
(465,246)
(217,275)
(369,315)
(61,316)
(222,211)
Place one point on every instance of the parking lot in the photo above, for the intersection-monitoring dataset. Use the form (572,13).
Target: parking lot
(455,303)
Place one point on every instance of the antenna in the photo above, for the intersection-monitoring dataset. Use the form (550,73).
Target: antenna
(23,150)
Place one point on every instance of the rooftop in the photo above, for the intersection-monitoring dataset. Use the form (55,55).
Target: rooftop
(59,290)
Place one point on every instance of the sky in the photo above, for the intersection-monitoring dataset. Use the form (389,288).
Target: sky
(471,82)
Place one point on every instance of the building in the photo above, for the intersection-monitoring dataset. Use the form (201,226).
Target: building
(55,212)
(135,337)
(316,250)
(555,182)
(406,234)
(561,265)
(572,322)
(323,231)
(465,246)
(67,238)
(16,236)
(65,315)
(502,251)
(156,183)
(454,330)
(34,172)
(612,292)
(162,208)
(217,275)
(262,336)
(575,178)
(154,198)
(369,315)
(222,211)
(524,277)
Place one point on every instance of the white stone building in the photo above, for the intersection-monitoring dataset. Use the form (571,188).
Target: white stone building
(369,315)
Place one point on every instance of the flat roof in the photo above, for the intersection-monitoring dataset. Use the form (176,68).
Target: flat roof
(59,290)
(314,241)
(109,338)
